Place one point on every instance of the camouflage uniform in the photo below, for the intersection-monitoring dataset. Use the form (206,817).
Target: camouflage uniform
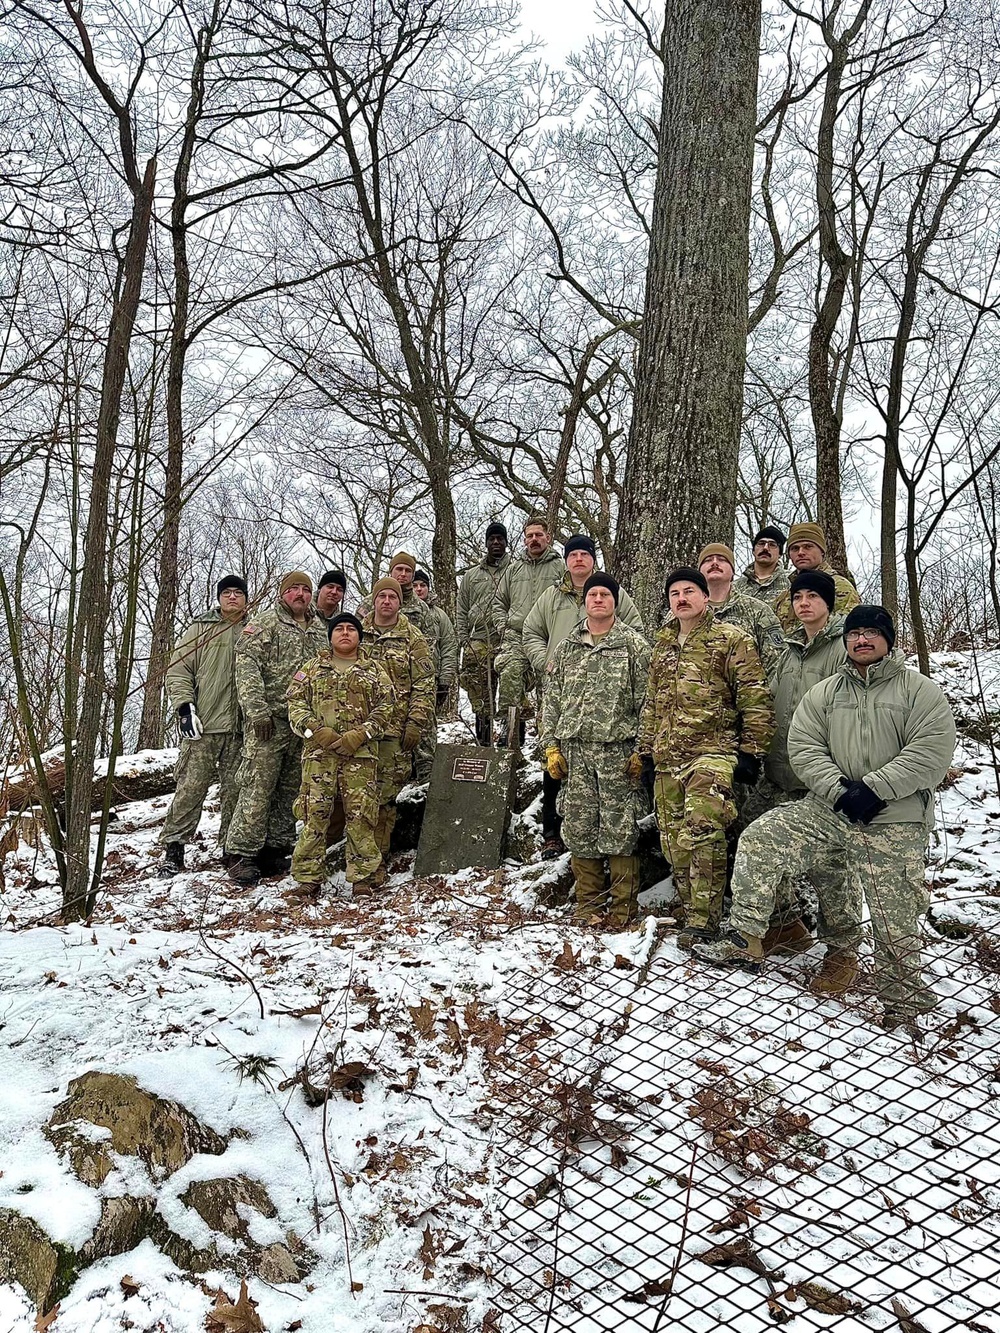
(323,695)
(200,673)
(271,649)
(522,584)
(403,653)
(478,636)
(444,653)
(705,701)
(750,586)
(847,598)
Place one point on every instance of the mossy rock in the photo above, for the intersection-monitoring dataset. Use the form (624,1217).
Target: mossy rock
(44,1268)
(222,1205)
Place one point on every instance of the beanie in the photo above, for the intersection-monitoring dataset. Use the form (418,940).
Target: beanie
(717,548)
(807,532)
(496,530)
(340,618)
(773,534)
(871,617)
(601,580)
(336,576)
(231,581)
(581,542)
(294,576)
(421,576)
(684,573)
(403,558)
(814,580)
(388,585)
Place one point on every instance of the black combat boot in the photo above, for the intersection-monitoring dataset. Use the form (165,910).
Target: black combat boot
(274,860)
(173,861)
(483,729)
(245,871)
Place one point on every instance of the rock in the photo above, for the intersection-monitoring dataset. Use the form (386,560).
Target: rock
(221,1204)
(468,812)
(45,1269)
(160,1133)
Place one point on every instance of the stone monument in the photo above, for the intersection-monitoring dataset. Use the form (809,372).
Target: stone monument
(469,802)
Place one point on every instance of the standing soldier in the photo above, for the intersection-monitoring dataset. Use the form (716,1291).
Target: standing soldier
(764,579)
(558,610)
(341,705)
(871,743)
(403,652)
(270,651)
(202,690)
(444,653)
(807,550)
(523,582)
(590,715)
(477,635)
(718,564)
(330,595)
(707,722)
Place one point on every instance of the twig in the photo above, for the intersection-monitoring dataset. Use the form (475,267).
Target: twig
(236,968)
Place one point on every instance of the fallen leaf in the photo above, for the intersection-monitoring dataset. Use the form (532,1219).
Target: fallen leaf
(225,1317)
(567,960)
(423,1016)
(129,1285)
(906,1321)
(622,963)
(43,1321)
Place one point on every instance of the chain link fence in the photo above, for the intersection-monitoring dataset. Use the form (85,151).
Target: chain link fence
(698,1149)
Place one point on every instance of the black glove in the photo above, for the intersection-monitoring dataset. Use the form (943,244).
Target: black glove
(189,723)
(264,729)
(747,768)
(858,802)
(648,778)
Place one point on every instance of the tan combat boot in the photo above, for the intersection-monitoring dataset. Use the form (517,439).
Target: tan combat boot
(588,881)
(788,937)
(837,975)
(624,890)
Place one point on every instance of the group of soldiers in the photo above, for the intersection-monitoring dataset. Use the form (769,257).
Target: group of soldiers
(773,725)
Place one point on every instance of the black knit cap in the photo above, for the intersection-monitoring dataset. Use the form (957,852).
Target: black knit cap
(814,580)
(871,617)
(231,581)
(496,529)
(339,619)
(421,576)
(581,542)
(336,576)
(686,574)
(601,580)
(772,534)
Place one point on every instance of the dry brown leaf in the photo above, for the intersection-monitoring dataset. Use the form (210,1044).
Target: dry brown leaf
(622,963)
(225,1317)
(906,1321)
(424,1016)
(567,960)
(43,1321)
(129,1285)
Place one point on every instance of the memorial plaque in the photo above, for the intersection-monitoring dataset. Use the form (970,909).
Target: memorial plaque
(469,802)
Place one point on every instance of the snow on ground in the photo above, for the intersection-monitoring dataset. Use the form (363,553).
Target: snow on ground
(531,1115)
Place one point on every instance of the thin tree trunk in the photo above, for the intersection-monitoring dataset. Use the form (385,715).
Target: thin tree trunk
(913,585)
(683,450)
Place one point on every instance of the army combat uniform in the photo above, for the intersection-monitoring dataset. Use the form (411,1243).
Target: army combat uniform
(329,692)
(847,599)
(201,674)
(590,709)
(403,653)
(705,701)
(762,590)
(479,639)
(522,584)
(269,652)
(426,619)
(444,654)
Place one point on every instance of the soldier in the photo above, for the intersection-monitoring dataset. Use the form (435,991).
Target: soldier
(341,705)
(202,690)
(764,578)
(477,635)
(871,743)
(718,564)
(403,652)
(590,714)
(330,595)
(707,722)
(523,582)
(558,610)
(271,649)
(807,550)
(445,657)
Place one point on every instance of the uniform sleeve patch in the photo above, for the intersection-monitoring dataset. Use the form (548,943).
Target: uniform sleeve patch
(300,675)
(251,629)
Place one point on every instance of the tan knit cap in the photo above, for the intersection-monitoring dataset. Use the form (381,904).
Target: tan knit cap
(292,577)
(717,548)
(388,585)
(807,532)
(403,558)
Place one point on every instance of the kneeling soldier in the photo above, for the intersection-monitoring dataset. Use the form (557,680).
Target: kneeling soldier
(341,704)
(590,715)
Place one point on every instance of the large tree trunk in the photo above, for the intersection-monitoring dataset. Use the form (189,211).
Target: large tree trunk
(683,450)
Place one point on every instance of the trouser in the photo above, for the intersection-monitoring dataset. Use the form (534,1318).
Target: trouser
(423,755)
(694,807)
(325,781)
(270,775)
(214,758)
(478,677)
(599,805)
(393,774)
(551,821)
(516,681)
(884,862)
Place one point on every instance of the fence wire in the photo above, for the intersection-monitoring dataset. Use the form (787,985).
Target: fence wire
(701,1149)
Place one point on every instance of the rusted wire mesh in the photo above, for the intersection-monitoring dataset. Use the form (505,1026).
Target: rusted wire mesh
(702,1149)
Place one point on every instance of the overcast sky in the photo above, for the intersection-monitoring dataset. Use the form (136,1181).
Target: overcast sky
(563,24)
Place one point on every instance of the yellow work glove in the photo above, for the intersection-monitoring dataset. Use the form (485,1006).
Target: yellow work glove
(555,762)
(325,737)
(411,737)
(350,743)
(633,768)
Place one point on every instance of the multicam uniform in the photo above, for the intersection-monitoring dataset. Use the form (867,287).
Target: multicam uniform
(201,674)
(444,654)
(424,617)
(847,599)
(478,636)
(327,693)
(705,701)
(522,584)
(269,652)
(762,590)
(403,653)
(893,730)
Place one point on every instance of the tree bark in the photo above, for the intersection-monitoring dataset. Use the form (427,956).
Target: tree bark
(683,450)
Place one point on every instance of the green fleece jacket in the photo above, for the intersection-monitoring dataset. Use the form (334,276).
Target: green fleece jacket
(556,613)
(520,587)
(804,663)
(201,671)
(893,730)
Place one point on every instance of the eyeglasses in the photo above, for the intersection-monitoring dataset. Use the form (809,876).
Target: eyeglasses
(854,634)
(765,541)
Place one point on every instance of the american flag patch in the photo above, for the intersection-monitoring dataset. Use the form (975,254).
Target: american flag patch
(299,675)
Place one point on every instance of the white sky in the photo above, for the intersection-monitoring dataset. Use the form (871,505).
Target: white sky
(562,24)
